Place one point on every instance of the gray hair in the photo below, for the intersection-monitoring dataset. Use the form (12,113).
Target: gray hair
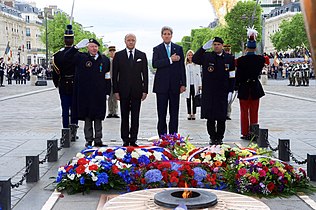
(166,28)
(130,34)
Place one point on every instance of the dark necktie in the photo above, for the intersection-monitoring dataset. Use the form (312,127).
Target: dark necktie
(130,58)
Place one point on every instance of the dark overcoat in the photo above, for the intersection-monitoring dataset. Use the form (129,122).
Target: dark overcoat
(217,81)
(249,67)
(90,84)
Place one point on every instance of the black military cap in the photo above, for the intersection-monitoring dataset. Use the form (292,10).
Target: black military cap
(92,40)
(69,32)
(218,39)
(112,48)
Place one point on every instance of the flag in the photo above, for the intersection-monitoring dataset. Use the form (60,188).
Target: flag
(276,60)
(7,49)
(307,55)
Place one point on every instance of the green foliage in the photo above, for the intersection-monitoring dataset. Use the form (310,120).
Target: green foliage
(56,28)
(238,19)
(285,39)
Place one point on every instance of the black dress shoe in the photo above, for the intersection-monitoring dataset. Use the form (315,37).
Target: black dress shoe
(134,145)
(109,116)
(99,144)
(125,144)
(193,118)
(228,118)
(212,142)
(88,144)
(115,116)
(189,118)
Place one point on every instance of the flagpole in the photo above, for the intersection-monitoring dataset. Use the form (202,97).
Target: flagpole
(72,11)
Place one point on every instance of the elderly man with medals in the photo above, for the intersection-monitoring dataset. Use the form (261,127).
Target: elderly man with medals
(218,78)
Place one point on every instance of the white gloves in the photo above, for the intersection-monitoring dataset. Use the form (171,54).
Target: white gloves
(229,97)
(208,45)
(83,43)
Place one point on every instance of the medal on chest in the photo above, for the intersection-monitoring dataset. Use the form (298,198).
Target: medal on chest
(210,68)
(88,64)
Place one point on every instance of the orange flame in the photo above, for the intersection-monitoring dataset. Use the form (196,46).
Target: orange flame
(186,193)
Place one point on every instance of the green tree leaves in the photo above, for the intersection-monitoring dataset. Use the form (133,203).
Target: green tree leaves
(292,33)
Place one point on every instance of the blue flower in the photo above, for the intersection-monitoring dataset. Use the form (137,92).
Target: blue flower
(106,165)
(143,160)
(82,180)
(153,175)
(102,179)
(175,166)
(127,158)
(199,174)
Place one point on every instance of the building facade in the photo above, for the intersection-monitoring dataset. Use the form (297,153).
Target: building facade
(12,33)
(274,19)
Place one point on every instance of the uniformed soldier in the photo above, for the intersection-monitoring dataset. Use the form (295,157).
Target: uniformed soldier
(2,68)
(217,84)
(90,88)
(112,102)
(249,88)
(298,75)
(63,78)
(306,74)
(227,49)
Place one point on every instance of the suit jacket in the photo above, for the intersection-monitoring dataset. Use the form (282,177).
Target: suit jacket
(168,77)
(130,81)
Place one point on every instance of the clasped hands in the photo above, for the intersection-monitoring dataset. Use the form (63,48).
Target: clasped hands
(175,57)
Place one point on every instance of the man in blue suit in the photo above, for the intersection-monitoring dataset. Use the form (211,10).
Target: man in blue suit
(170,81)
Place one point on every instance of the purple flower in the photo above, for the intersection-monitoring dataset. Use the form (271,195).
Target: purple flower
(153,175)
(199,174)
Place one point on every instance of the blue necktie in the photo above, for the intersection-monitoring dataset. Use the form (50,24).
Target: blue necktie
(168,50)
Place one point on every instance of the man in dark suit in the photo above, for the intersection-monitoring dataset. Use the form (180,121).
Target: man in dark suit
(170,80)
(130,86)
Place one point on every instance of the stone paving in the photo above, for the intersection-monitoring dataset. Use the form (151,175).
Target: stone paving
(31,115)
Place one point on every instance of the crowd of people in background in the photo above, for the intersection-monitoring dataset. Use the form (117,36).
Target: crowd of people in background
(21,73)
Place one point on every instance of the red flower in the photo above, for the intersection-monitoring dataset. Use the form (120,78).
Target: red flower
(134,160)
(174,173)
(143,181)
(181,183)
(232,154)
(253,180)
(115,169)
(133,187)
(165,176)
(130,149)
(193,183)
(93,167)
(190,172)
(242,171)
(82,161)
(174,179)
(262,173)
(213,155)
(80,169)
(109,150)
(259,164)
(270,186)
(265,168)
(68,168)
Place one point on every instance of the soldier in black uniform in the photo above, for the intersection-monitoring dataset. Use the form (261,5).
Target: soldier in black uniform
(63,78)
(217,82)
(2,68)
(91,88)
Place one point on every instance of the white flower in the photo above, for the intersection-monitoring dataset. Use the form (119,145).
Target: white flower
(79,155)
(94,177)
(142,152)
(102,149)
(71,176)
(135,155)
(157,155)
(62,169)
(119,153)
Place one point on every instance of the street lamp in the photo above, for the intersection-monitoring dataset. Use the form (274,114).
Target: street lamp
(46,16)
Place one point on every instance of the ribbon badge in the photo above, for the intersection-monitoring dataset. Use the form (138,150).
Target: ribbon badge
(88,64)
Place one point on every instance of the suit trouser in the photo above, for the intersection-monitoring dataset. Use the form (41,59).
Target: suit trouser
(162,105)
(112,104)
(216,129)
(229,108)
(66,105)
(129,105)
(88,129)
(248,114)
(1,77)
(191,98)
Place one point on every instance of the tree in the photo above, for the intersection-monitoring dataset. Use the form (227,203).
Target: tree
(285,38)
(56,29)
(238,20)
